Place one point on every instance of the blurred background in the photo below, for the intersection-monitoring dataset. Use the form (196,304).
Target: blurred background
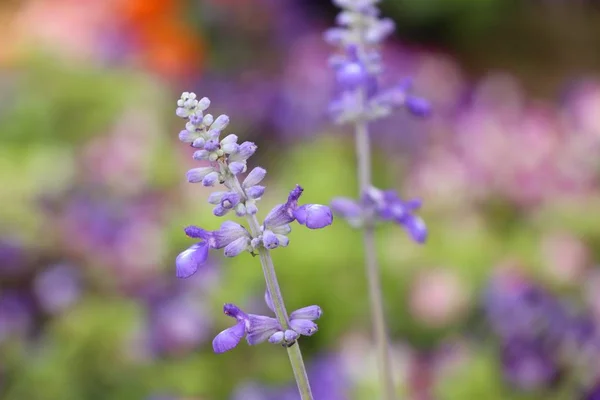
(503,302)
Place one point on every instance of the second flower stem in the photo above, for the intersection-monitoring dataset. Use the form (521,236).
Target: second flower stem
(363,154)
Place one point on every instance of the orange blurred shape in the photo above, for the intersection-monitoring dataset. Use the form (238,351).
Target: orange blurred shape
(169,46)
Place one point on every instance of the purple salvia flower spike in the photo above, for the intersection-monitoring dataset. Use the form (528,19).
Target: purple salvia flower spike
(227,159)
(360,100)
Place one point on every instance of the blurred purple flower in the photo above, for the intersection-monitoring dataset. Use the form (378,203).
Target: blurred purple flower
(12,257)
(527,364)
(386,206)
(326,375)
(57,287)
(16,315)
(178,324)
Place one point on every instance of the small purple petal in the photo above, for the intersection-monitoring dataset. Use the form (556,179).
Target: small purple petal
(220,123)
(304,326)
(236,247)
(351,75)
(215,197)
(201,155)
(255,192)
(269,240)
(245,151)
(199,144)
(346,207)
(220,211)
(295,194)
(311,313)
(231,310)
(229,338)
(188,262)
(254,177)
(277,337)
(237,167)
(211,145)
(227,233)
(230,200)
(278,216)
(413,204)
(314,216)
(197,232)
(290,335)
(283,240)
(196,175)
(210,179)
(260,328)
(416,228)
(187,136)
(418,106)
(269,301)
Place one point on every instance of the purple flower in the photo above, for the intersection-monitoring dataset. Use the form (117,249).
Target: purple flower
(313,216)
(178,324)
(301,320)
(527,364)
(256,328)
(16,315)
(232,237)
(230,337)
(188,261)
(357,69)
(57,287)
(385,206)
(260,328)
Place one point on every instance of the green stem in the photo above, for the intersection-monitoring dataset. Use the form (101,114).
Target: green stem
(363,154)
(268,268)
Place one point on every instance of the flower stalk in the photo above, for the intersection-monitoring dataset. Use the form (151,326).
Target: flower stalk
(268,268)
(363,155)
(360,99)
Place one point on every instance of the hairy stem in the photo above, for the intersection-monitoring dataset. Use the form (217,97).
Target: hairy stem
(363,154)
(268,268)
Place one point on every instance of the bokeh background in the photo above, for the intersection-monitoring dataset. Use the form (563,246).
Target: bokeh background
(503,302)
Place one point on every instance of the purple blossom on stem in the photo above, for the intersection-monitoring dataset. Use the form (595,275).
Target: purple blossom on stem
(260,328)
(383,206)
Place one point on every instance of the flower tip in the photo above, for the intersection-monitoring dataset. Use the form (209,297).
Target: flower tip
(418,106)
(314,216)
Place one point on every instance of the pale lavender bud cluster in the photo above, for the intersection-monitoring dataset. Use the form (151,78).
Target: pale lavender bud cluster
(358,35)
(226,160)
(382,205)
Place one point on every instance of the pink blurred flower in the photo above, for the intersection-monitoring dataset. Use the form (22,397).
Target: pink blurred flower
(565,257)
(437,297)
